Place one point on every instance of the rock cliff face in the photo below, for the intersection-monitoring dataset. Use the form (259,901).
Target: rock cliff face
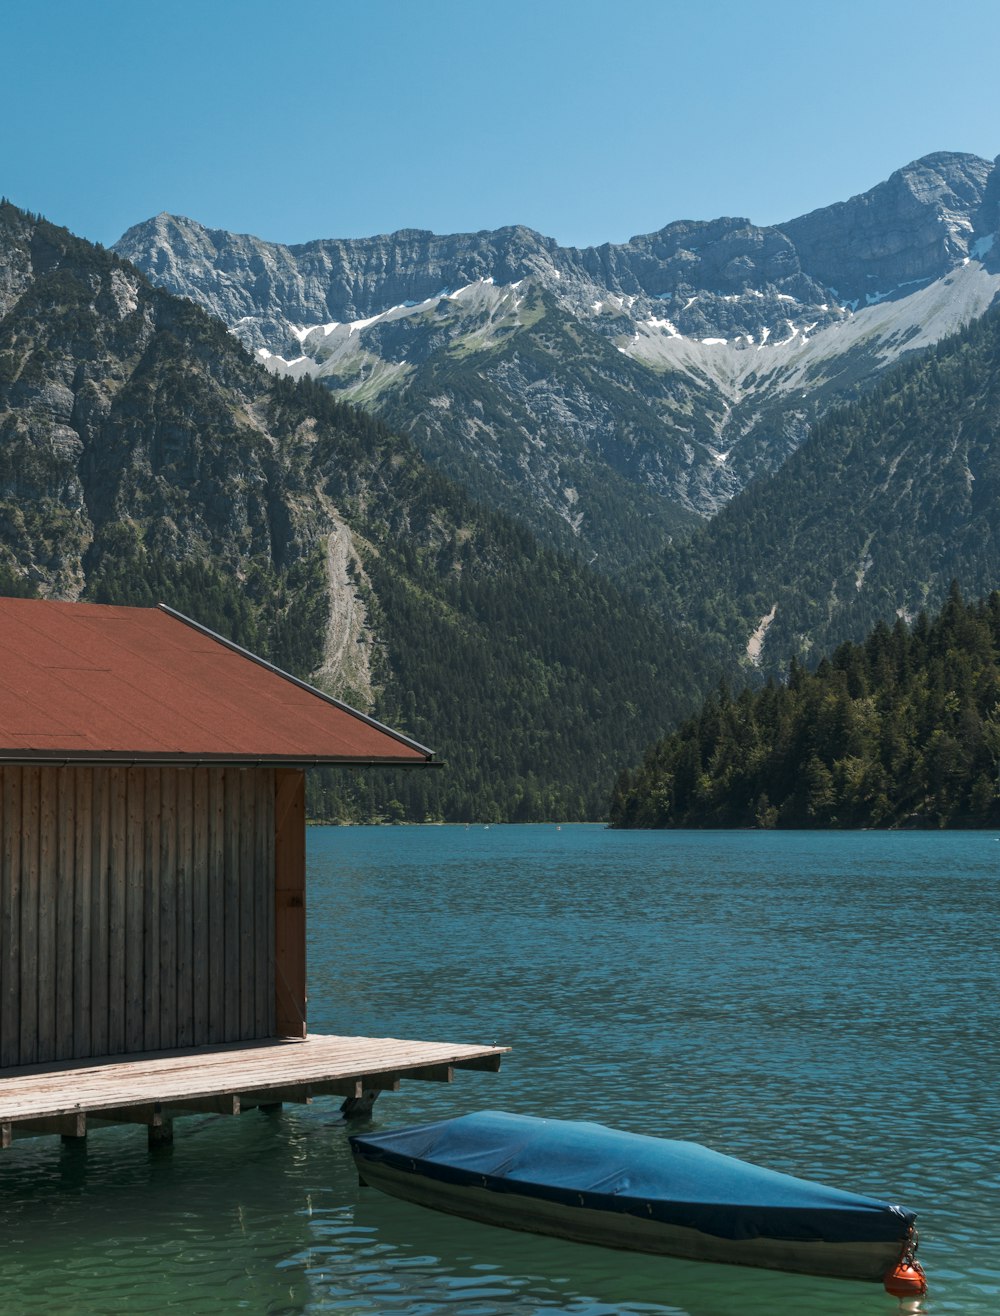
(913,228)
(614,394)
(136,437)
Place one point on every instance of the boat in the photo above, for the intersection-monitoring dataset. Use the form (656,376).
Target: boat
(592,1184)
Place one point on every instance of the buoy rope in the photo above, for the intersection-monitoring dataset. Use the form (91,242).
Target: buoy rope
(907,1278)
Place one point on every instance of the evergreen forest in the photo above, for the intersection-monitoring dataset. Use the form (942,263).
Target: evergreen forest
(902,730)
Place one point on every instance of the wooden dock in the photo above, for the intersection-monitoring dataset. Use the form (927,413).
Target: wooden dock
(154,1087)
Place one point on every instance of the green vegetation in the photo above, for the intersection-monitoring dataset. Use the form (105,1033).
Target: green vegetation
(531,678)
(900,731)
(278,614)
(145,457)
(888,501)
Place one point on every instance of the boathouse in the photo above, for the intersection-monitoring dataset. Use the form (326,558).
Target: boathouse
(152,876)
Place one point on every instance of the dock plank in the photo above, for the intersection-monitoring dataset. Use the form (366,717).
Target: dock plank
(203,1073)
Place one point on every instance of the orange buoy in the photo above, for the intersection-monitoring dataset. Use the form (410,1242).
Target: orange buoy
(906,1280)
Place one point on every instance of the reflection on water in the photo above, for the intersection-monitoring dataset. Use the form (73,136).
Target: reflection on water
(824,1005)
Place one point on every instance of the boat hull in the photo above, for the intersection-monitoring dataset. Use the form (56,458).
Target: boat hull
(810,1229)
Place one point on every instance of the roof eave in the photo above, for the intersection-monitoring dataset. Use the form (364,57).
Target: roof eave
(114,758)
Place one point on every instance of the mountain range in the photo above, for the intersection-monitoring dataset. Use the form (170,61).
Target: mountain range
(145,456)
(528,503)
(612,396)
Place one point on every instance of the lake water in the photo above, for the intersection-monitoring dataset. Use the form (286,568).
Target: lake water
(825,1004)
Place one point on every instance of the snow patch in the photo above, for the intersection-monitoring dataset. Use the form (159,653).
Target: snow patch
(302,332)
(873,298)
(623,303)
(981,246)
(666,325)
(469,287)
(714,342)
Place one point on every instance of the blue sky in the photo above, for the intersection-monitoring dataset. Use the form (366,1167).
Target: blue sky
(590,120)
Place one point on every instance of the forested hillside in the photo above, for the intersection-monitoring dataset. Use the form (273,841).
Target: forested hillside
(900,731)
(889,500)
(526,673)
(145,457)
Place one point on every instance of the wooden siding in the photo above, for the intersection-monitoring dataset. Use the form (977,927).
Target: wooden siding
(290,902)
(136,909)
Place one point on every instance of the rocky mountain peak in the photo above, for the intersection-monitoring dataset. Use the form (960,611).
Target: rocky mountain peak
(912,228)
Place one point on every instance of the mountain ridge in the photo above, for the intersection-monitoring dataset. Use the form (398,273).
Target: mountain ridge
(417,264)
(731,339)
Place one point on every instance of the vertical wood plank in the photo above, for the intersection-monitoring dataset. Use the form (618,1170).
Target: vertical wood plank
(168,909)
(66,878)
(200,906)
(217,904)
(100,930)
(48,857)
(10,922)
(117,909)
(4,923)
(232,906)
(151,908)
(135,901)
(248,904)
(5,918)
(290,903)
(185,907)
(30,817)
(264,896)
(83,898)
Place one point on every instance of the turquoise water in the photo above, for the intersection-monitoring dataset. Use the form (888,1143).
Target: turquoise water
(825,1004)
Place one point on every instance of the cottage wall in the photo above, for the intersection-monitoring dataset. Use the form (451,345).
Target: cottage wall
(137,909)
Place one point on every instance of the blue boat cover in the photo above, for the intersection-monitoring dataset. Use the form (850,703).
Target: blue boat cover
(680,1183)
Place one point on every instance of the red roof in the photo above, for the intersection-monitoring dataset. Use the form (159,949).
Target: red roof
(84,681)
